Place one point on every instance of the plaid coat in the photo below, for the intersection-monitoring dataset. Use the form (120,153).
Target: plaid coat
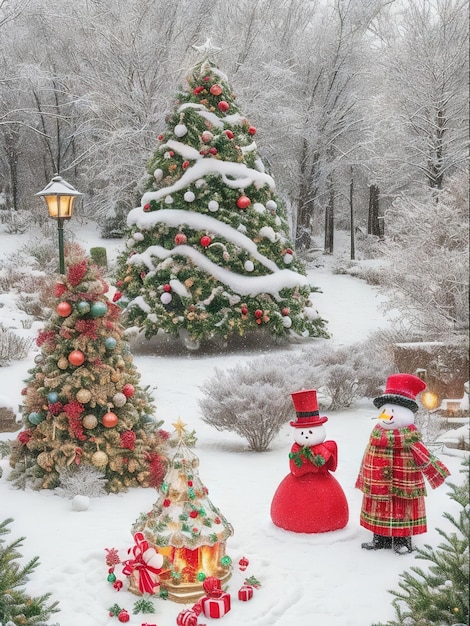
(391,478)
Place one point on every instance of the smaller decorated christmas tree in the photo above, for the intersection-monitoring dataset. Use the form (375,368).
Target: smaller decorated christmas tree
(82,404)
(186,528)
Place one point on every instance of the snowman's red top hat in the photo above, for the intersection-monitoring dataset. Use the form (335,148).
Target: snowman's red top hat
(401,389)
(306,408)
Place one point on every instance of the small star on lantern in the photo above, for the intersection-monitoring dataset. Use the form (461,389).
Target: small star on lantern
(179,427)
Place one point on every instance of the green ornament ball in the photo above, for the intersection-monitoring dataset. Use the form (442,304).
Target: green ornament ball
(111,578)
(98,309)
(35,418)
(226,561)
(201,577)
(83,307)
(110,343)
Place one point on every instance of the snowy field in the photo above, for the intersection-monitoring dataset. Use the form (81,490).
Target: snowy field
(324,579)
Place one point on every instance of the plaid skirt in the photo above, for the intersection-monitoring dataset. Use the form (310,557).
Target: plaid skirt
(394,517)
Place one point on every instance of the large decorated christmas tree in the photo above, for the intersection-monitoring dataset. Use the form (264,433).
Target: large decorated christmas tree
(82,404)
(208,251)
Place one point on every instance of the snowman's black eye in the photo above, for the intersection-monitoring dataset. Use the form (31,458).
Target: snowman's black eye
(310,432)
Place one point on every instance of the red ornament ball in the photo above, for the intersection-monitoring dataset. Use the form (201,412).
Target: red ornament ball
(223,106)
(64,309)
(285,311)
(167,287)
(76,357)
(147,207)
(243,202)
(213,150)
(109,420)
(244,310)
(205,241)
(229,134)
(180,239)
(252,130)
(216,90)
(258,313)
(123,616)
(128,390)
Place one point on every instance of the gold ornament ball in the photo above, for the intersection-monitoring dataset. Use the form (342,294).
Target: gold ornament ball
(115,376)
(62,363)
(83,396)
(89,421)
(99,459)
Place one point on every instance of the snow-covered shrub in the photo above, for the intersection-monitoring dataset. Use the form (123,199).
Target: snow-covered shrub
(252,400)
(17,222)
(12,346)
(344,374)
(81,481)
(42,254)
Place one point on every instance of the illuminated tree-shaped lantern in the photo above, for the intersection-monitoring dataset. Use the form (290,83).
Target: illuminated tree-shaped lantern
(186,528)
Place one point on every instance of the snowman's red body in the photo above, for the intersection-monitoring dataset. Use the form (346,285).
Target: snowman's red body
(309,499)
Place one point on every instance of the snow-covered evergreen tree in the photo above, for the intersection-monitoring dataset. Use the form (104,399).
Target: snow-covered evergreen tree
(83,404)
(16,605)
(208,249)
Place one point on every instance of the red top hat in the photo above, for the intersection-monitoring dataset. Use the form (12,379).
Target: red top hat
(401,389)
(306,407)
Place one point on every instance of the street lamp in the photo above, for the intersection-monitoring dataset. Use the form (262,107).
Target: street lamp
(59,196)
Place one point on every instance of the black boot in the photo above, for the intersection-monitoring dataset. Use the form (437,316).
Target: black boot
(379,542)
(402,545)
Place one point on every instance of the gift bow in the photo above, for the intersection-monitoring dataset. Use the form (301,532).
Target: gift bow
(213,587)
(142,555)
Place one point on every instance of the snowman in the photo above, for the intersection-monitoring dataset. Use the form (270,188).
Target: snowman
(392,469)
(309,499)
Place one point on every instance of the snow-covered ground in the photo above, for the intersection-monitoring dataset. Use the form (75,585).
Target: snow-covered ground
(326,579)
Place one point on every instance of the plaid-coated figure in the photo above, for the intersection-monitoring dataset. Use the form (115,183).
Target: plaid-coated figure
(393,468)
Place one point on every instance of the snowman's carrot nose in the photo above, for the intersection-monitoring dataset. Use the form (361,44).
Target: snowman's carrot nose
(385,416)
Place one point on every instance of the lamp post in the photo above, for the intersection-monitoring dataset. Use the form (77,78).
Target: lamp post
(59,196)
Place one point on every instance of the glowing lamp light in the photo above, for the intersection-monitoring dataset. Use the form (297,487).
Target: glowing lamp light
(59,197)
(430,400)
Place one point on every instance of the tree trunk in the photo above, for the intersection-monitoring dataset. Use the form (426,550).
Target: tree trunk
(329,217)
(351,212)
(305,202)
(375,223)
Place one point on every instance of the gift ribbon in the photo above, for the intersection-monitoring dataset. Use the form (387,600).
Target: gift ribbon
(146,584)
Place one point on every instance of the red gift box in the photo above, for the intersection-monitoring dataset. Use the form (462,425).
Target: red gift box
(245,593)
(187,617)
(216,607)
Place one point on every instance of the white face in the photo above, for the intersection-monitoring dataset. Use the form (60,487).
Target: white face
(394,416)
(309,436)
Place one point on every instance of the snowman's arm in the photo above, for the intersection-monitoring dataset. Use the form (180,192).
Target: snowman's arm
(434,470)
(331,455)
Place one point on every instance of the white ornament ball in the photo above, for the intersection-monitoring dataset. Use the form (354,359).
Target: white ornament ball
(259,208)
(249,266)
(288,258)
(189,196)
(213,206)
(119,399)
(165,297)
(138,236)
(81,503)
(180,130)
(130,242)
(158,174)
(271,205)
(168,200)
(286,321)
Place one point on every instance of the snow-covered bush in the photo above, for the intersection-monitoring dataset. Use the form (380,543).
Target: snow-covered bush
(12,346)
(83,480)
(252,400)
